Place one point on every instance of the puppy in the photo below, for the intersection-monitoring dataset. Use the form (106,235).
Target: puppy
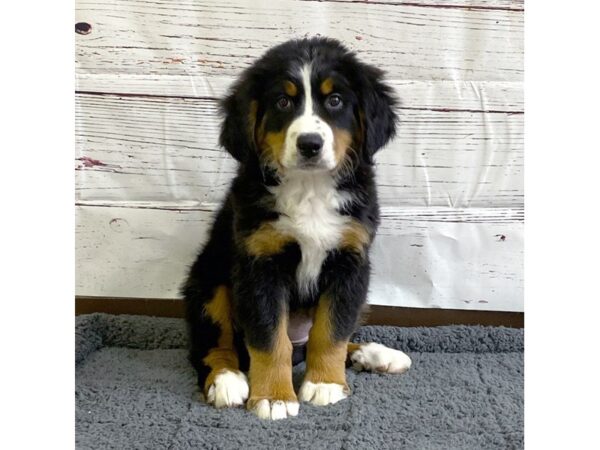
(285,271)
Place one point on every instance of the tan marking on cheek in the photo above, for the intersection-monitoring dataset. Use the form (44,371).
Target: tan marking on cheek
(342,141)
(355,238)
(290,88)
(223,357)
(271,144)
(327,86)
(260,132)
(267,241)
(270,373)
(325,357)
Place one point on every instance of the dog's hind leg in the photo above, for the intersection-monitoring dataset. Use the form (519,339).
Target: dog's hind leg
(217,350)
(213,351)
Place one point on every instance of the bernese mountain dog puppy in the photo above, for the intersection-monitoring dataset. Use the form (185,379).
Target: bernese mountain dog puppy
(285,271)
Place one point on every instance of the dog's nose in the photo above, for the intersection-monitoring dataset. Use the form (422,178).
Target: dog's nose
(309,144)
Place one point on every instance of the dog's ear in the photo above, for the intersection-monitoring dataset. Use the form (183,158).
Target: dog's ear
(239,110)
(376,111)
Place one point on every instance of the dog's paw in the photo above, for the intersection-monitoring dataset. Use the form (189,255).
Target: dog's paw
(322,393)
(274,409)
(228,389)
(379,358)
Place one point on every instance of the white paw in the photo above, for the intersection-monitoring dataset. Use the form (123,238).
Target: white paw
(321,393)
(229,389)
(275,409)
(379,358)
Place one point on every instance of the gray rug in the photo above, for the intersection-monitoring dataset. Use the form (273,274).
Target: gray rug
(135,389)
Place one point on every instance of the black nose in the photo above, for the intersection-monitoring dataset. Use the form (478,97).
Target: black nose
(309,144)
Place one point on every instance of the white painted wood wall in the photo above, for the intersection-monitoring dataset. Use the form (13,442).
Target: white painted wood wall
(150,173)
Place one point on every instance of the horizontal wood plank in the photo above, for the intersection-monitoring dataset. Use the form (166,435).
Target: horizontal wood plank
(141,148)
(513,5)
(145,252)
(439,95)
(221,38)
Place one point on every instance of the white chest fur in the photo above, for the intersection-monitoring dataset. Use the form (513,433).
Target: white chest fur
(308,203)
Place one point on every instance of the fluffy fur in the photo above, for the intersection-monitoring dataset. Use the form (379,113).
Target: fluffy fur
(294,231)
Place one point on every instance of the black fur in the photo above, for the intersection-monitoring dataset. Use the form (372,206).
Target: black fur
(263,287)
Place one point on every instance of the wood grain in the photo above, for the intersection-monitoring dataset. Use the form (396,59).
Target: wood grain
(512,5)
(166,149)
(441,95)
(137,251)
(221,38)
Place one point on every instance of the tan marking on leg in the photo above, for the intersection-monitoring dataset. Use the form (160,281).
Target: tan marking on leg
(290,88)
(219,360)
(326,356)
(266,241)
(327,86)
(222,357)
(355,237)
(352,347)
(270,374)
(219,311)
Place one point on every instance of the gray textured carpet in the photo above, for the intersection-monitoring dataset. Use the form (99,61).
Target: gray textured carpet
(135,389)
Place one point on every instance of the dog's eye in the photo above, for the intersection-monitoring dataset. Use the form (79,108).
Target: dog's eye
(284,104)
(334,101)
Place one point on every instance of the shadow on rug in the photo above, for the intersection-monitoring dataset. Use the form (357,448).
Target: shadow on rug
(135,389)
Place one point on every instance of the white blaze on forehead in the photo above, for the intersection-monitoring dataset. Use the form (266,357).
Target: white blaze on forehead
(308,122)
(308,101)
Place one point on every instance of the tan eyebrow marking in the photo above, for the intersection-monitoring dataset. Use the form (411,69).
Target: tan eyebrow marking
(327,86)
(290,88)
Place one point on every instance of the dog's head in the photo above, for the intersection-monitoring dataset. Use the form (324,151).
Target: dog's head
(308,105)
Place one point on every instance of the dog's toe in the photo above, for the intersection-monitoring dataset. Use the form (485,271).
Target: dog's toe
(322,393)
(275,409)
(228,389)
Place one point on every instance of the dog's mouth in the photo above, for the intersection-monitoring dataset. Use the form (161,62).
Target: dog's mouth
(311,165)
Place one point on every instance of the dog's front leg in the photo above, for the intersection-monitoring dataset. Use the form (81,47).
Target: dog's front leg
(344,286)
(262,312)
(272,394)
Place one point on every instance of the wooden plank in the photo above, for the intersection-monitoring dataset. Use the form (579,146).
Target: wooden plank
(440,95)
(221,38)
(513,5)
(165,149)
(449,264)
(145,252)
(378,315)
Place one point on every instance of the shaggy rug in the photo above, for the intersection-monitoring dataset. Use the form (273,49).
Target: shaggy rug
(135,389)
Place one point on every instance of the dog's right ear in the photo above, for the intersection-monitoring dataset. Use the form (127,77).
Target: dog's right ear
(239,110)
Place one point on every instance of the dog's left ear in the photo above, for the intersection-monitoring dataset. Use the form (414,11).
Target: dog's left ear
(238,110)
(376,112)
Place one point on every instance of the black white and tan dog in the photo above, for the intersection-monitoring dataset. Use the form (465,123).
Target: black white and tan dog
(285,271)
